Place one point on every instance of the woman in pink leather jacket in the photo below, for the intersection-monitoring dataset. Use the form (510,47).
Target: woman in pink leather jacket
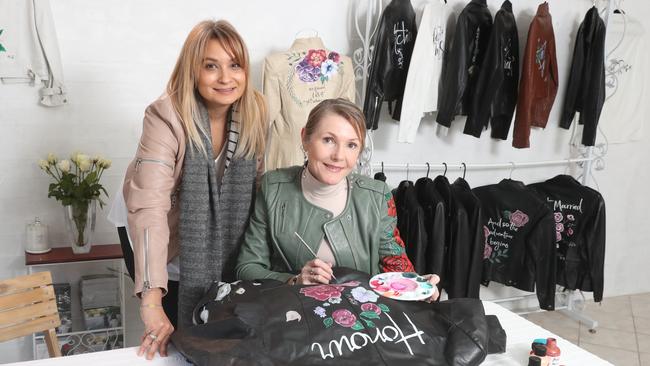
(189,189)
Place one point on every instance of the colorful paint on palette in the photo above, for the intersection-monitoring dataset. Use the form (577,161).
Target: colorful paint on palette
(407,286)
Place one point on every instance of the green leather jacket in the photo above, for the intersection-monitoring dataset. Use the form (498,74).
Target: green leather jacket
(363,236)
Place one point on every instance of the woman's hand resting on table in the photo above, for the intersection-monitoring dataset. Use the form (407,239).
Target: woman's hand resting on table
(157,327)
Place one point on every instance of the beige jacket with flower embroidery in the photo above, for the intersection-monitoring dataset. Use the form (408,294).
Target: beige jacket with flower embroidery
(294,82)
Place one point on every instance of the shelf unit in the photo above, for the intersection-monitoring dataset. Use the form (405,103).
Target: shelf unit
(62,260)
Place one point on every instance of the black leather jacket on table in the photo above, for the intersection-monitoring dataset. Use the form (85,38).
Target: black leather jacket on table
(463,62)
(586,87)
(519,239)
(579,214)
(393,47)
(495,94)
(270,323)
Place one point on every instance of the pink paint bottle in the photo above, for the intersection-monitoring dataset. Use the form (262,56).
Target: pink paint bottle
(553,351)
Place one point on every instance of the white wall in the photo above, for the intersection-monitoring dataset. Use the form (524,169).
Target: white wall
(118,55)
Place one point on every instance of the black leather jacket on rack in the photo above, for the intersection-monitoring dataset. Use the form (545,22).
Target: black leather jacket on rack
(393,47)
(268,322)
(586,88)
(465,258)
(411,224)
(463,61)
(519,239)
(495,94)
(579,214)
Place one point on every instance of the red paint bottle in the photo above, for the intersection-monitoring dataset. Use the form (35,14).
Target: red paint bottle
(553,351)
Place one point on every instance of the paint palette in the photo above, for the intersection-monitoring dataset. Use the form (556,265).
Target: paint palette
(407,286)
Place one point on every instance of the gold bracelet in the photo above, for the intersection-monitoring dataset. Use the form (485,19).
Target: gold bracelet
(150,306)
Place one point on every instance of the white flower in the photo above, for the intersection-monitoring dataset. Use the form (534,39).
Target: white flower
(328,68)
(51,158)
(75,157)
(84,164)
(43,164)
(97,158)
(64,165)
(104,163)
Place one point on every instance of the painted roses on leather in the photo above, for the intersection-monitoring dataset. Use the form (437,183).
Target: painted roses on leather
(318,65)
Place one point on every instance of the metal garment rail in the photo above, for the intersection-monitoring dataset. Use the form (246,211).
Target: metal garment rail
(571,309)
(478,166)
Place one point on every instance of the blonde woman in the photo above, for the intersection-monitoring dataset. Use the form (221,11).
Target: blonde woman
(189,189)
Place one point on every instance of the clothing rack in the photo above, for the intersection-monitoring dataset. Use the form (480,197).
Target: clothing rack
(362,57)
(480,166)
(571,309)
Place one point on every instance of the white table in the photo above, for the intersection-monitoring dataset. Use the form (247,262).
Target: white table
(520,332)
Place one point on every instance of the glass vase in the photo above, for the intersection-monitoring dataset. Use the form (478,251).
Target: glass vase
(80,224)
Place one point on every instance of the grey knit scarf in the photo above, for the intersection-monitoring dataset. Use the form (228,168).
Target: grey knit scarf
(212,223)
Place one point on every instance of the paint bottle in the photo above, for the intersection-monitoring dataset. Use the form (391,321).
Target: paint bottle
(534,361)
(539,350)
(553,351)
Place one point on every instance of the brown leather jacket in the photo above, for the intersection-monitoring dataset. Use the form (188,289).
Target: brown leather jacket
(150,188)
(539,78)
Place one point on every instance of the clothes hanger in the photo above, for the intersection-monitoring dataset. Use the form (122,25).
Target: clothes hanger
(380,175)
(407,172)
(464,169)
(428,169)
(512,169)
(314,35)
(445,172)
(619,9)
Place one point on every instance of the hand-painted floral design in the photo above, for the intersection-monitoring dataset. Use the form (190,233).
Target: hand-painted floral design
(326,292)
(344,317)
(569,231)
(518,218)
(362,294)
(392,210)
(570,217)
(2,49)
(334,300)
(558,236)
(316,57)
(371,307)
(320,311)
(558,216)
(318,65)
(559,227)
(322,292)
(487,251)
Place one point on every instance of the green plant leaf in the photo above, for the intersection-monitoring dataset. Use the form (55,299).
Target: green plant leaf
(384,308)
(370,315)
(357,326)
(369,323)
(328,322)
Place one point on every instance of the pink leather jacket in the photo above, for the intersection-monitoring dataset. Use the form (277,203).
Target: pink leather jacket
(150,190)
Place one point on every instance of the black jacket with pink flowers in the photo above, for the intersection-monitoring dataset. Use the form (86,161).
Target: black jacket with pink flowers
(579,215)
(267,322)
(519,239)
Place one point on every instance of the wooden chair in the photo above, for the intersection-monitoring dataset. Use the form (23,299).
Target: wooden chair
(28,305)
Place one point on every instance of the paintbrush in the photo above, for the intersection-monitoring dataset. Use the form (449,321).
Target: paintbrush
(310,251)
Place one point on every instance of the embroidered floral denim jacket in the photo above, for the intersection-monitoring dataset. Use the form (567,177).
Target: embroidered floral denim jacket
(363,237)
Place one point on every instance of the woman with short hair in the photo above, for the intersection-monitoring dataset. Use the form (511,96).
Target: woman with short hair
(346,219)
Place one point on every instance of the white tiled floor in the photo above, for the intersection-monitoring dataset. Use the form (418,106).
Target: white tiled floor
(623,333)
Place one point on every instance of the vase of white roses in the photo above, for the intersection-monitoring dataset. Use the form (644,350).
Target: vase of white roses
(76,185)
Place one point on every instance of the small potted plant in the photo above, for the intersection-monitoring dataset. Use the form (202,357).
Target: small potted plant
(76,185)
